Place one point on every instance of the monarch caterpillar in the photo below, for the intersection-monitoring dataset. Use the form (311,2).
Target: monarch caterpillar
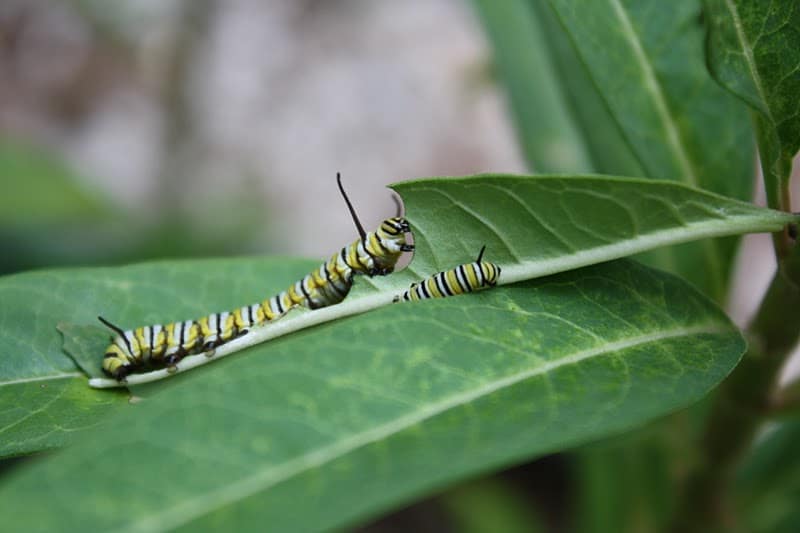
(374,253)
(463,278)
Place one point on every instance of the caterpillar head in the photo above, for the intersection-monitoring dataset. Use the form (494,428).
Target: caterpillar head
(116,363)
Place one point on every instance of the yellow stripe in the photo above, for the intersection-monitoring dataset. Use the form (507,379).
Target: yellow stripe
(414,292)
(227,328)
(374,245)
(191,338)
(318,279)
(170,335)
(352,257)
(269,312)
(144,345)
(452,281)
(472,276)
(239,320)
(286,301)
(205,330)
(159,344)
(433,289)
(295,297)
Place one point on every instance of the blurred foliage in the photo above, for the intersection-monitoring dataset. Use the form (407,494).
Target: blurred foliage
(38,190)
(768,483)
(48,218)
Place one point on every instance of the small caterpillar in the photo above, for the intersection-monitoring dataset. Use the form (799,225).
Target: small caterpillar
(463,278)
(373,254)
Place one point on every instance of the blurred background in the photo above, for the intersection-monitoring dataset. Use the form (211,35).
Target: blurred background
(140,129)
(143,129)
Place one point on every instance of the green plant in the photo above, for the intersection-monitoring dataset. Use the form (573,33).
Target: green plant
(333,424)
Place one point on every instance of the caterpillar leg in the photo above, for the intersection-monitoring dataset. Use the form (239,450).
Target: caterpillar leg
(121,374)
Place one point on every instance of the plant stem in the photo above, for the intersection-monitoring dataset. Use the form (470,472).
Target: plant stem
(742,404)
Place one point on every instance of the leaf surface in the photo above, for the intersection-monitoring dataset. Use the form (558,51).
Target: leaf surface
(767,487)
(645,59)
(547,132)
(754,51)
(348,419)
(532,226)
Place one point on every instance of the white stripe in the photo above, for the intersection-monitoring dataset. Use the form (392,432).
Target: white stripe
(136,351)
(463,277)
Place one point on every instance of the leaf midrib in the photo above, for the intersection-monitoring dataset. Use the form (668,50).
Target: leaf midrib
(747,50)
(52,377)
(512,273)
(653,86)
(268,477)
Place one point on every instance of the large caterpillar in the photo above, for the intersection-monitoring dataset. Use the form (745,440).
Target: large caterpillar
(463,278)
(374,253)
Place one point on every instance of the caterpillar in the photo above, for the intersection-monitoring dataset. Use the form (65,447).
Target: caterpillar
(463,278)
(375,253)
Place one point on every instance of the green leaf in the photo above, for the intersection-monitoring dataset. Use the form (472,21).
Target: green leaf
(338,423)
(594,219)
(645,58)
(532,226)
(39,190)
(754,51)
(492,504)
(547,133)
(538,225)
(44,401)
(768,483)
(610,152)
(42,413)
(625,484)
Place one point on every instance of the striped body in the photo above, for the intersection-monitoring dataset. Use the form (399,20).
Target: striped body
(376,253)
(463,278)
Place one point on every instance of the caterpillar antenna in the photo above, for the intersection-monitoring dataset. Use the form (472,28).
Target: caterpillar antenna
(480,255)
(111,326)
(397,204)
(360,228)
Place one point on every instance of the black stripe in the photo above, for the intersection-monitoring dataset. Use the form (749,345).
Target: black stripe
(441,282)
(424,288)
(358,256)
(380,243)
(127,342)
(366,248)
(326,272)
(305,292)
(278,299)
(180,346)
(330,281)
(250,314)
(463,276)
(390,229)
(484,281)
